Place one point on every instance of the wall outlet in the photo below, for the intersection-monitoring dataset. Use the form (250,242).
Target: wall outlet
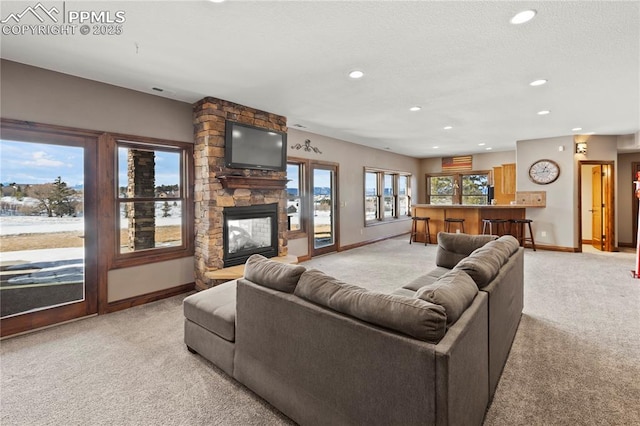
(543,233)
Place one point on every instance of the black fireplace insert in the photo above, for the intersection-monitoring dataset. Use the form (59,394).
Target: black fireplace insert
(249,230)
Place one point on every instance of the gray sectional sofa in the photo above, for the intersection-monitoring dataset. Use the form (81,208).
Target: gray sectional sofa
(327,352)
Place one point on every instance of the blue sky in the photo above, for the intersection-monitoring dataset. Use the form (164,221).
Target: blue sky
(36,163)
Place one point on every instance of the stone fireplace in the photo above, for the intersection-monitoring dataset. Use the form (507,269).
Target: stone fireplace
(217,188)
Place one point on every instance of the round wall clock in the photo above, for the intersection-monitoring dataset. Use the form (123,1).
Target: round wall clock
(544,172)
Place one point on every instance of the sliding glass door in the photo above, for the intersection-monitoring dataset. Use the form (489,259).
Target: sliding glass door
(47,255)
(323,217)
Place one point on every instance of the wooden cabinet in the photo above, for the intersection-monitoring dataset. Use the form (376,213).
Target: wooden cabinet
(509,178)
(504,183)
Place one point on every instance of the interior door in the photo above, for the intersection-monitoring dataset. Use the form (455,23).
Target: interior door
(48,268)
(597,215)
(323,209)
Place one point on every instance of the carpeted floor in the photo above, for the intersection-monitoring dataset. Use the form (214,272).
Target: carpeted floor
(575,359)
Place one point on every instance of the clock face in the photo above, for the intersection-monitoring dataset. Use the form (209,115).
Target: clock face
(544,172)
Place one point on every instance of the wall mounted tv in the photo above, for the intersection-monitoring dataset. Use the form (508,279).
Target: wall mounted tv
(250,147)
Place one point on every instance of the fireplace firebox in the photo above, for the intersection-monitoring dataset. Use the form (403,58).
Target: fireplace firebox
(249,230)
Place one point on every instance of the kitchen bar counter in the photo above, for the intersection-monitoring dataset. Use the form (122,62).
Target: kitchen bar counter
(472,215)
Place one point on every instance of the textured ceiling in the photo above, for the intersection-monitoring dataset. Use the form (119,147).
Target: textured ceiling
(463,62)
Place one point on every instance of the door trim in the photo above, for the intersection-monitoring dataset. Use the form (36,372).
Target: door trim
(608,197)
(335,247)
(42,133)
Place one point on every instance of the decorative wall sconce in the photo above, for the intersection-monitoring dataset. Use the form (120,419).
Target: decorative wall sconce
(307,147)
(581,148)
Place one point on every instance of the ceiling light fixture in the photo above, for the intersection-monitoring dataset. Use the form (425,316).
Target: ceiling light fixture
(481,144)
(355,74)
(538,83)
(447,127)
(415,108)
(576,129)
(216,1)
(436,147)
(581,147)
(522,17)
(488,148)
(543,112)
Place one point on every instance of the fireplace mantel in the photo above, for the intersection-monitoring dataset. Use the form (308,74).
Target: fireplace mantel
(251,182)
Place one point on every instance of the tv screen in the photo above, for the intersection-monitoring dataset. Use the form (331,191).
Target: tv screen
(250,147)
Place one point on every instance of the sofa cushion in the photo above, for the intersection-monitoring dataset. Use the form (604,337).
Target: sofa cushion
(454,291)
(452,248)
(214,309)
(272,274)
(485,262)
(426,279)
(415,317)
(509,243)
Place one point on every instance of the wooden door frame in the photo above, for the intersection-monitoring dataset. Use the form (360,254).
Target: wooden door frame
(43,133)
(336,219)
(635,165)
(608,195)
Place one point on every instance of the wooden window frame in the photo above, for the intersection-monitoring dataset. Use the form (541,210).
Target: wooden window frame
(456,198)
(380,186)
(303,179)
(108,181)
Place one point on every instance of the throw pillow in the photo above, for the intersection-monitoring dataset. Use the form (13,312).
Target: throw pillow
(452,248)
(454,291)
(272,274)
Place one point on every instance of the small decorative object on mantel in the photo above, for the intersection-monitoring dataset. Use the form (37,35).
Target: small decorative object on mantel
(307,147)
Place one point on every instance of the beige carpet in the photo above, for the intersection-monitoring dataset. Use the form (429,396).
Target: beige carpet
(575,360)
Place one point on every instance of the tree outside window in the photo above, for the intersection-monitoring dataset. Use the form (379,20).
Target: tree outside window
(469,188)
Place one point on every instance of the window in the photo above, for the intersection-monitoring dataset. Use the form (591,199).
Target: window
(440,189)
(371,198)
(387,195)
(153,210)
(295,193)
(469,188)
(475,189)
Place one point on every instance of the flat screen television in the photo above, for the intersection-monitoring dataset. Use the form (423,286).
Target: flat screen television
(250,147)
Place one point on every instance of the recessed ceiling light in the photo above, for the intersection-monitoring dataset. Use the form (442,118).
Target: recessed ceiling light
(576,129)
(447,127)
(436,147)
(488,148)
(543,112)
(538,82)
(356,74)
(481,144)
(216,1)
(415,108)
(522,17)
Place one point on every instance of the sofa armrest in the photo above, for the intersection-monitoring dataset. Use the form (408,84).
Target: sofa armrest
(462,367)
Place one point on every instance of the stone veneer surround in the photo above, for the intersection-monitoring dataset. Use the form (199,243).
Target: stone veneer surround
(211,197)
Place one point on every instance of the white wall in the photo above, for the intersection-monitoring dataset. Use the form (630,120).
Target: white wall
(38,95)
(352,159)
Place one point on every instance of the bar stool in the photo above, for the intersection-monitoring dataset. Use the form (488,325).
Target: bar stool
(414,229)
(520,231)
(448,221)
(496,222)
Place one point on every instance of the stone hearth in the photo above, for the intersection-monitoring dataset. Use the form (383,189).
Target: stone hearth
(217,187)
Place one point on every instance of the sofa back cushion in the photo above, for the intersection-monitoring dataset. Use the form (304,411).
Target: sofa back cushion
(272,274)
(414,317)
(485,262)
(454,291)
(452,248)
